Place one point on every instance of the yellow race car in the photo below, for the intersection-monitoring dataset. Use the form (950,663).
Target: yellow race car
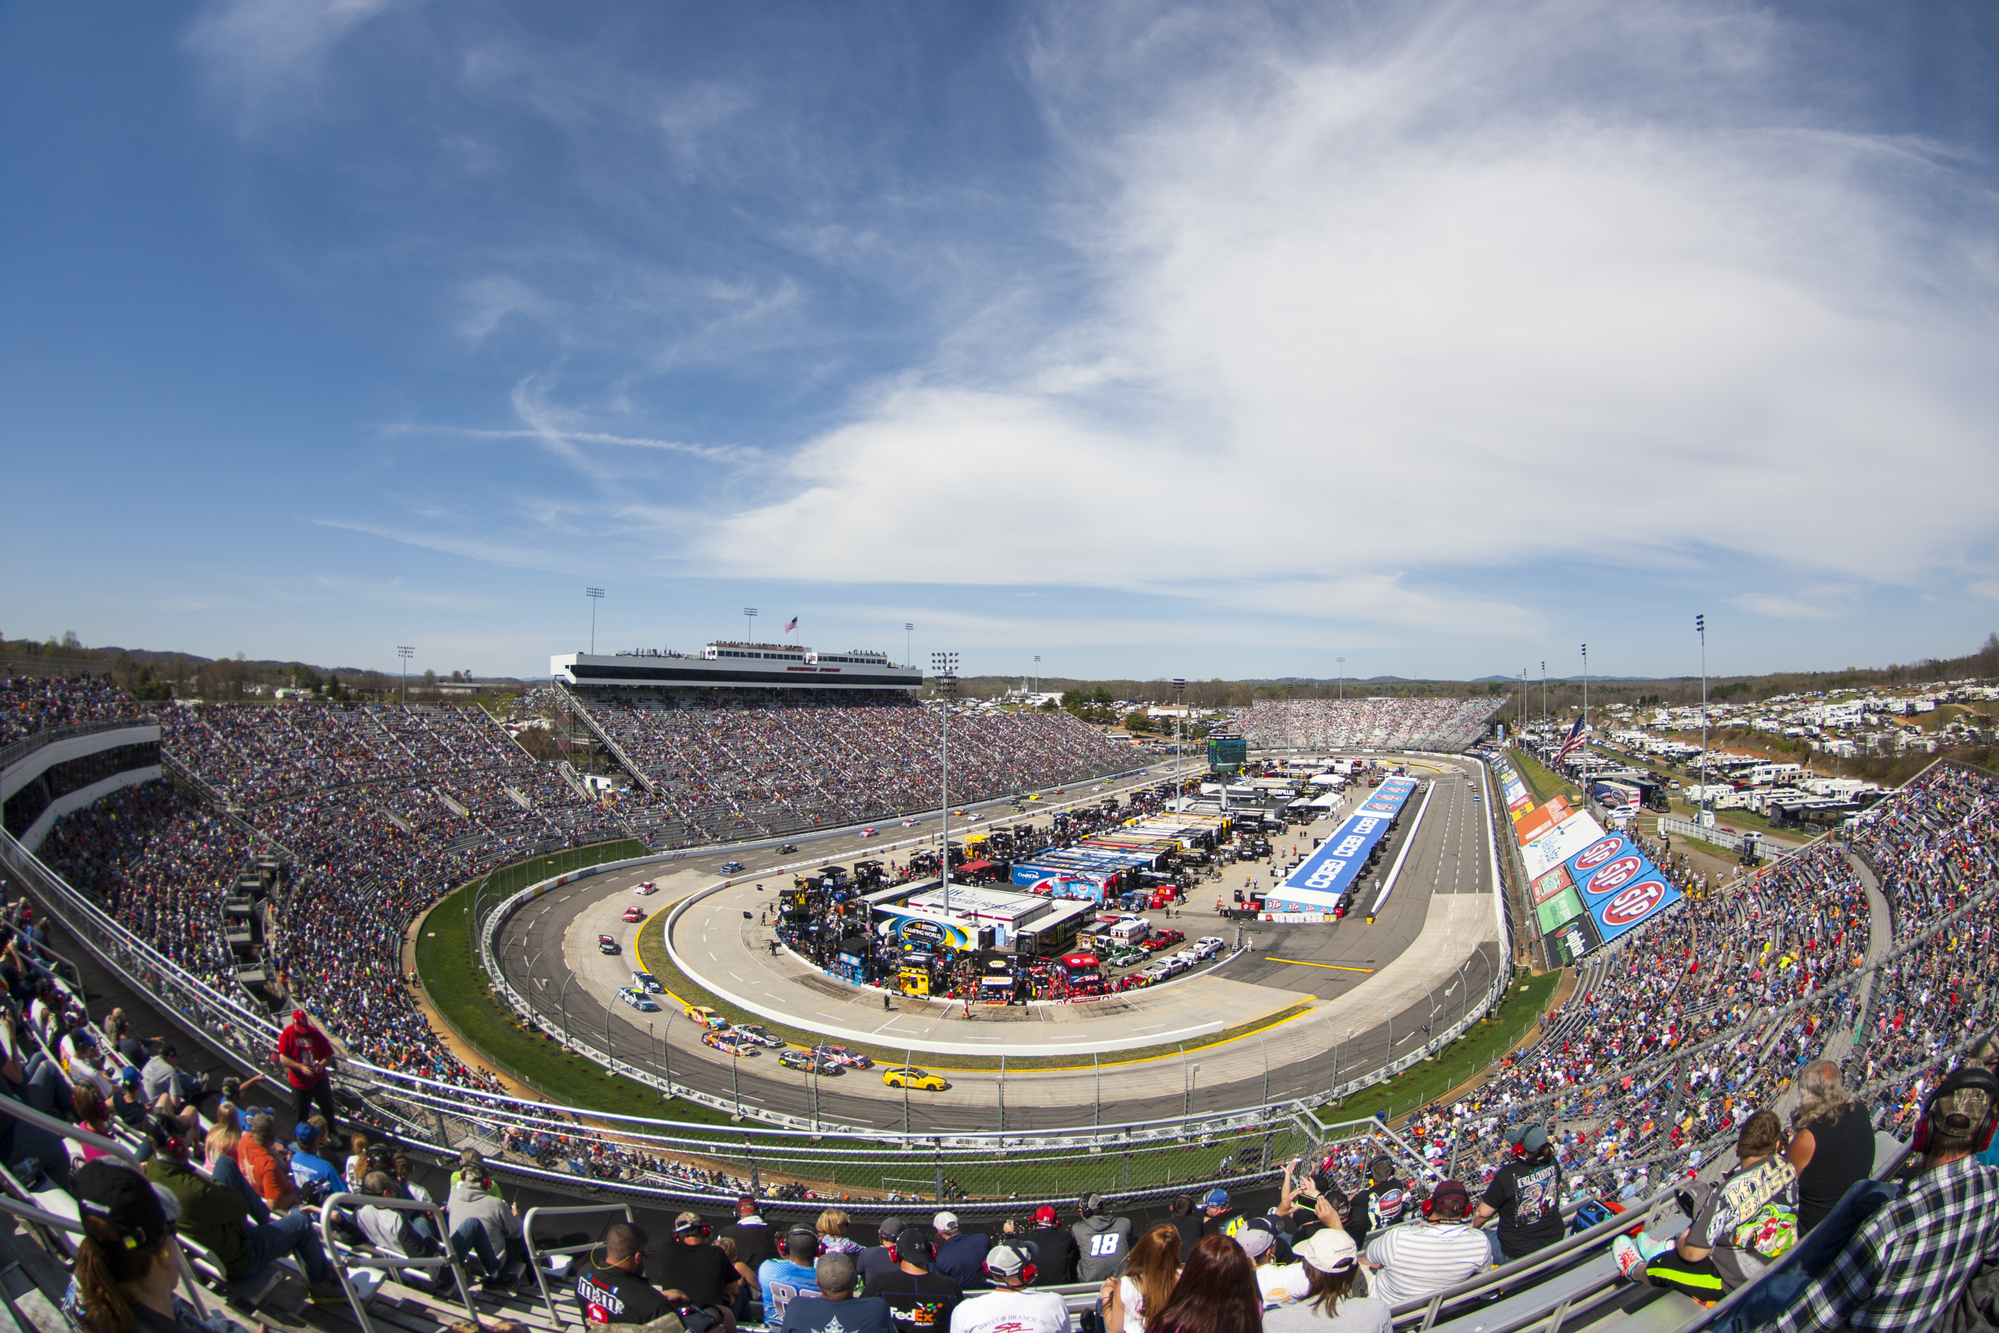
(907,1076)
(707,1018)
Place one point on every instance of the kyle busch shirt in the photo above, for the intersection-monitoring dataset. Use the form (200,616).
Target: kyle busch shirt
(613,1296)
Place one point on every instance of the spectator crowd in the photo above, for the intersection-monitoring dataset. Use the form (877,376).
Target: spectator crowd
(1447,725)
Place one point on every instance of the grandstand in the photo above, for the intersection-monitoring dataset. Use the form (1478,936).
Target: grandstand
(1876,954)
(730,766)
(1382,723)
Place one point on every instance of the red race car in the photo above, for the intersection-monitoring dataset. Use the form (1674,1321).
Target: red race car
(635,913)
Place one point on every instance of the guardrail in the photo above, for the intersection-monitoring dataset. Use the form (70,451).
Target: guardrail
(27,745)
(535,1252)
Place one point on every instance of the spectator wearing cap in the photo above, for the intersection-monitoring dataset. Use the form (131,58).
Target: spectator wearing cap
(1216,1219)
(218,1218)
(1382,1204)
(1010,1307)
(127,1264)
(391,1230)
(1914,1257)
(1102,1241)
(306,1055)
(257,1153)
(313,1176)
(836,1309)
(790,1274)
(695,1268)
(482,1222)
(612,1289)
(83,1065)
(755,1245)
(960,1254)
(917,1298)
(1440,1251)
(1055,1248)
(1749,1220)
(878,1260)
(130,1103)
(1332,1267)
(1988,1054)
(1525,1195)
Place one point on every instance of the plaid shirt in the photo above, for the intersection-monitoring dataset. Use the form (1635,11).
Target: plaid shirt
(1909,1260)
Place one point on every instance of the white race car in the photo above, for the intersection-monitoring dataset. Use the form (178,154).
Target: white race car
(645,888)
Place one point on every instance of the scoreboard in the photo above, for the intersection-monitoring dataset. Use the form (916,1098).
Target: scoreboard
(1227,754)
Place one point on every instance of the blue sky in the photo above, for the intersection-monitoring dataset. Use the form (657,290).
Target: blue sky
(1155,340)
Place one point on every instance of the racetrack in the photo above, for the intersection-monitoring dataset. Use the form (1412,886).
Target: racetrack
(1371,993)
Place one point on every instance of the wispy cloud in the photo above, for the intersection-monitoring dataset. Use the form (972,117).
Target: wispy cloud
(261,52)
(1779,607)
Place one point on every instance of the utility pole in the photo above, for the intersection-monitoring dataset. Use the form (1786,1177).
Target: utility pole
(749,624)
(595,595)
(945,667)
(405,652)
(1700,628)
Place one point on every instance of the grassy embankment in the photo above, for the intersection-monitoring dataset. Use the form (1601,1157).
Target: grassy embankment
(1463,1060)
(1544,785)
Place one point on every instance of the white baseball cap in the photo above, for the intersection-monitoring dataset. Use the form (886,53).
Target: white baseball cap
(945,1222)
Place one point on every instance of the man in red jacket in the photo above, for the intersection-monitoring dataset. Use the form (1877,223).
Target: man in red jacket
(306,1056)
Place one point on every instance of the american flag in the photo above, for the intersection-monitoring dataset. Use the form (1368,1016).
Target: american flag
(791,624)
(1573,740)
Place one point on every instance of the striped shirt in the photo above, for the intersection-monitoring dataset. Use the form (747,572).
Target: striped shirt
(1422,1258)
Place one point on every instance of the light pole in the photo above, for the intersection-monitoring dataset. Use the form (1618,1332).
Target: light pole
(749,623)
(665,1058)
(1180,714)
(595,595)
(908,638)
(406,652)
(1700,628)
(1544,695)
(1187,1093)
(1037,673)
(945,667)
(1343,678)
(1584,733)
(562,998)
(1523,698)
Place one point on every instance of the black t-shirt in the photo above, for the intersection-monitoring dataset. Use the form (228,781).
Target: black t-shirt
(1054,1255)
(1527,1195)
(613,1296)
(755,1242)
(1376,1207)
(698,1271)
(918,1300)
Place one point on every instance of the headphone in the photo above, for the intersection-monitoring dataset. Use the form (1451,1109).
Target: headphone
(1431,1202)
(1027,1269)
(1090,1204)
(922,1245)
(1966,1076)
(818,1245)
(694,1228)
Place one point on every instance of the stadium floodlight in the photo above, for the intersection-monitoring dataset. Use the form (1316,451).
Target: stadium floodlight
(749,621)
(406,653)
(1343,678)
(1700,628)
(1037,673)
(1544,696)
(1180,714)
(944,666)
(1585,689)
(595,595)
(908,639)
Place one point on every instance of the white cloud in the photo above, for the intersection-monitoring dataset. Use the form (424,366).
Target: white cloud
(256,50)
(1532,283)
(1779,607)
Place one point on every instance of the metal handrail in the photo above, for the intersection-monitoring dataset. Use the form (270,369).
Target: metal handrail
(331,1207)
(28,1115)
(535,1252)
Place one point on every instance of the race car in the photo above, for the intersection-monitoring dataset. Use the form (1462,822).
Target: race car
(907,1076)
(646,887)
(707,1018)
(869,833)
(1208,946)
(728,1041)
(645,981)
(807,1061)
(788,847)
(755,1032)
(635,913)
(605,944)
(909,823)
(841,1055)
(639,1000)
(1163,939)
(731,867)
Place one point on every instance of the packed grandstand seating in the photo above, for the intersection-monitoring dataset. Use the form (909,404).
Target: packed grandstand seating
(1445,725)
(29,704)
(733,769)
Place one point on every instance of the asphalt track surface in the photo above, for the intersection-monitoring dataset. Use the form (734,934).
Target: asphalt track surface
(1373,996)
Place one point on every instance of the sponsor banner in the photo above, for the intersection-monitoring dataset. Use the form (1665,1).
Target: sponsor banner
(1510,786)
(1308,901)
(1551,884)
(1562,907)
(1540,819)
(1559,843)
(917,932)
(1295,918)
(1574,939)
(1332,868)
(1619,884)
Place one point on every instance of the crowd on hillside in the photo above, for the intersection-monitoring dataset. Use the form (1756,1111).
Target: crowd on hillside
(732,769)
(1447,725)
(29,704)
